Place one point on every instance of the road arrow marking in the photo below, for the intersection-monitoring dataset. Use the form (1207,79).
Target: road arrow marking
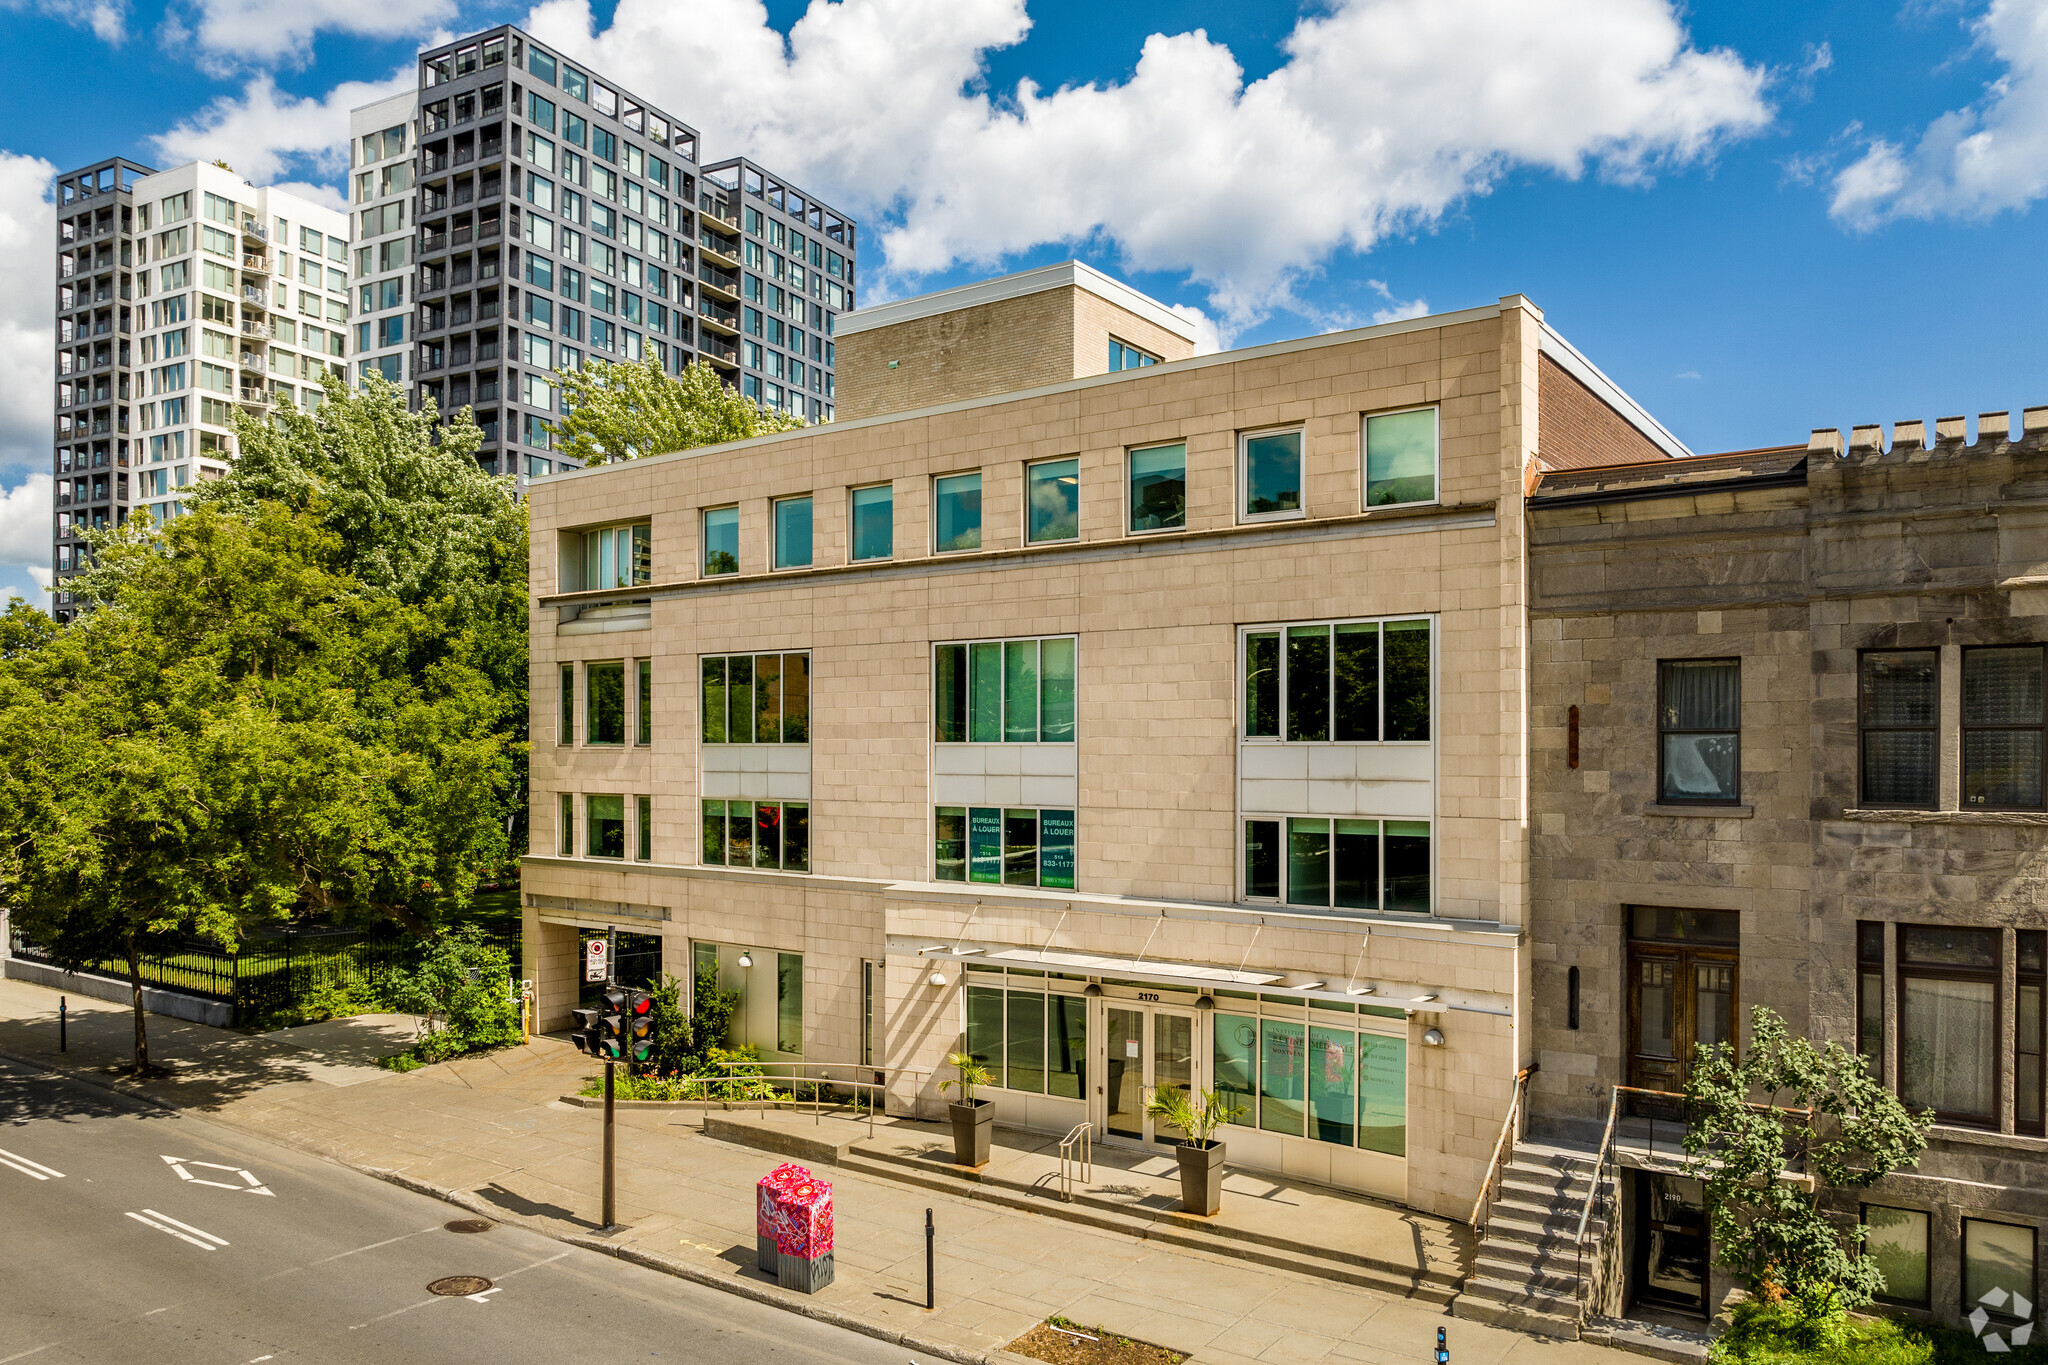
(35,1170)
(163,1222)
(485,1297)
(250,1184)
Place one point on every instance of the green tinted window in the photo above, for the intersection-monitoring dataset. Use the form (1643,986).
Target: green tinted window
(1400,458)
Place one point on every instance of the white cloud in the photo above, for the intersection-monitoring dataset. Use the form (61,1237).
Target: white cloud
(237,33)
(264,134)
(108,19)
(1208,340)
(28,244)
(1384,116)
(1972,162)
(25,522)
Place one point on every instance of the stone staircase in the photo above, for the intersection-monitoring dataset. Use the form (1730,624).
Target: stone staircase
(1526,1274)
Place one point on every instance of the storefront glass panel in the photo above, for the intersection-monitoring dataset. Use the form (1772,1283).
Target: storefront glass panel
(1024,1036)
(1282,1084)
(1383,1094)
(1332,1084)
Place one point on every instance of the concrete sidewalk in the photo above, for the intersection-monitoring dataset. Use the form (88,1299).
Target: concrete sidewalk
(495,1127)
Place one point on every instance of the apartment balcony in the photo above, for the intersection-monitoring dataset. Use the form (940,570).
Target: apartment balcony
(255,231)
(256,398)
(254,297)
(431,242)
(724,283)
(719,209)
(259,331)
(718,348)
(723,321)
(252,362)
(718,247)
(256,263)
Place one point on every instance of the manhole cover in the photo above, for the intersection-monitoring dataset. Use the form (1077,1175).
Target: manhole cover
(469,1225)
(455,1286)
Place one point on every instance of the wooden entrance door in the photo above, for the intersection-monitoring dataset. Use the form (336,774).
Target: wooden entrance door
(1680,999)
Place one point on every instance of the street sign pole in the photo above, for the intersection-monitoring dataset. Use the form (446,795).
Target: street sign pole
(611,970)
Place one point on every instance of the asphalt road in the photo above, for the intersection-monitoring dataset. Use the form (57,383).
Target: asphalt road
(109,1255)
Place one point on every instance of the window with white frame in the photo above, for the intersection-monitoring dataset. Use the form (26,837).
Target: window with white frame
(1269,475)
(1400,450)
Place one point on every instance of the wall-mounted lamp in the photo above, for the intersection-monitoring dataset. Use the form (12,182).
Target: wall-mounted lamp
(1092,991)
(938,977)
(1433,1038)
(1205,1002)
(746,959)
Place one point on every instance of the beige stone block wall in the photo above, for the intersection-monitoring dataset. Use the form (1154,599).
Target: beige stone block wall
(998,347)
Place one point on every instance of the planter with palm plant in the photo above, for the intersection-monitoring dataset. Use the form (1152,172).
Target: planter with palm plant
(973,1119)
(1199,1154)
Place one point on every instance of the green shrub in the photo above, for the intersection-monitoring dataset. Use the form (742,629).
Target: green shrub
(460,988)
(1783,1333)
(400,1062)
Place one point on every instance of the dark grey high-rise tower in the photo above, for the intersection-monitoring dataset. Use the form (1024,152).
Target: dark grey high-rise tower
(552,219)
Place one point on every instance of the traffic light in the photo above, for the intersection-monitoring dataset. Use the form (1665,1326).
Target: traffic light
(640,1026)
(585,1033)
(611,1025)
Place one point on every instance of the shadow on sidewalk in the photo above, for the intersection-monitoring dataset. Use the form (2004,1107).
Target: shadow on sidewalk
(503,1198)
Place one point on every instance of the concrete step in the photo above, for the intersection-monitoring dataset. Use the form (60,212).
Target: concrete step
(1520,1317)
(1513,1225)
(1168,1227)
(1654,1340)
(1491,1290)
(1536,1275)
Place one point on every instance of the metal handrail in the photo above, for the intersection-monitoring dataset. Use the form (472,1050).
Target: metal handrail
(1083,1136)
(1502,1147)
(1600,1164)
(732,1072)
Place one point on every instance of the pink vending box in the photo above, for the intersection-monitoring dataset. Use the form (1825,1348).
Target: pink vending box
(793,1228)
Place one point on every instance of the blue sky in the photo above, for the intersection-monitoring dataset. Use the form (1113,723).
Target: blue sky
(1757,218)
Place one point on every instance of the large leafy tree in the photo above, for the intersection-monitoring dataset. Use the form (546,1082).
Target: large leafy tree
(623,410)
(308,694)
(1788,1104)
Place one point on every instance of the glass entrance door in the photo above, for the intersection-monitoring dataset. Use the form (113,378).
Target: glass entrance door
(1671,1243)
(1173,1064)
(1124,1073)
(1682,971)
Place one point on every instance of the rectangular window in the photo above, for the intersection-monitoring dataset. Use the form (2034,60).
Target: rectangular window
(605,818)
(1345,864)
(1355,682)
(1234,1064)
(1159,488)
(1126,357)
(1006,847)
(793,533)
(643,702)
(2030,1047)
(1401,457)
(618,556)
(874,522)
(1897,706)
(1999,1266)
(985,1026)
(1949,1051)
(1004,691)
(868,971)
(1896,1243)
(604,690)
(565,819)
(721,541)
(956,512)
(1269,473)
(775,835)
(2003,732)
(1052,501)
(1699,730)
(1024,1042)
(643,828)
(565,731)
(756,698)
(1283,1068)
(789,1003)
(1870,995)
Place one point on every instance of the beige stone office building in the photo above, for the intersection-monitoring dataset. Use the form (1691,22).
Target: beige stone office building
(1130,717)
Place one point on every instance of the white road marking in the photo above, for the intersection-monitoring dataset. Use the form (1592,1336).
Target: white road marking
(36,1170)
(485,1297)
(26,1354)
(437,1299)
(172,1226)
(250,1184)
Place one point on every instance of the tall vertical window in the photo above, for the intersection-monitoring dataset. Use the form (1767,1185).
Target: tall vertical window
(789,1003)
(793,533)
(1003,846)
(643,708)
(765,834)
(756,698)
(1004,692)
(2030,1046)
(1870,995)
(618,557)
(1896,709)
(874,522)
(643,828)
(1269,475)
(565,726)
(1351,681)
(604,691)
(2003,734)
(721,540)
(1052,501)
(1344,864)
(605,823)
(869,970)
(1401,457)
(1159,488)
(565,825)
(1897,1244)
(956,513)
(1949,1051)
(1699,730)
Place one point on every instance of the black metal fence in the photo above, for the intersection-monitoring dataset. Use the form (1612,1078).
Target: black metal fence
(271,972)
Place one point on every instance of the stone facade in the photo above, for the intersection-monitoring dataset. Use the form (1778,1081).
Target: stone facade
(1794,562)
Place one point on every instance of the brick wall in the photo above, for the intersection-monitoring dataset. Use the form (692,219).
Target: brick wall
(1576,430)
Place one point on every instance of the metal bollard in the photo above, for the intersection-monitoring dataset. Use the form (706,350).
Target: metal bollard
(63,1024)
(1443,1349)
(929,1291)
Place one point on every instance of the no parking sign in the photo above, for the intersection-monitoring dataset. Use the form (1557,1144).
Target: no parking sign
(594,960)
